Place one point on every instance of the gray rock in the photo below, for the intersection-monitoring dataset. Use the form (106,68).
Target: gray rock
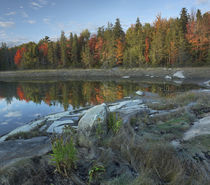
(57,126)
(24,128)
(179,74)
(140,93)
(93,118)
(168,77)
(200,127)
(15,150)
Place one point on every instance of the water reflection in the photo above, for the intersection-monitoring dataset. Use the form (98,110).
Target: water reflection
(21,102)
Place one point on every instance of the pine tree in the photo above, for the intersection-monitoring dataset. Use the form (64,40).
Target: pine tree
(63,49)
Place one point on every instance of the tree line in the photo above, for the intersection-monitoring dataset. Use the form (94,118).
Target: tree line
(181,41)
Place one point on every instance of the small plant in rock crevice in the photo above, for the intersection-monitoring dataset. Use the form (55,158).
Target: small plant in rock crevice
(114,122)
(96,173)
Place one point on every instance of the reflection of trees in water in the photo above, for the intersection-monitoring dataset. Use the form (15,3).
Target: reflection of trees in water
(80,93)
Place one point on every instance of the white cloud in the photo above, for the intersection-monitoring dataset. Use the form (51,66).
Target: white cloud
(10,13)
(13,114)
(198,2)
(24,14)
(21,7)
(31,21)
(36,5)
(46,20)
(53,4)
(6,24)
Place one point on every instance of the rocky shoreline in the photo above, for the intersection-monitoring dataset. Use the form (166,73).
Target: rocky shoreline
(197,74)
(156,140)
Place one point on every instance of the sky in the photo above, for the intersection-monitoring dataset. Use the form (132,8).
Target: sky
(31,20)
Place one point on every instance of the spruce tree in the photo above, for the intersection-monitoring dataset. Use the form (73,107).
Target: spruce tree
(63,49)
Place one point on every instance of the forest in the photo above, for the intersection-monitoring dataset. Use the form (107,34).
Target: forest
(173,42)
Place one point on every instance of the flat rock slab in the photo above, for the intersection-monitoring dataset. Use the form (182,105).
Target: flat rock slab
(201,127)
(15,150)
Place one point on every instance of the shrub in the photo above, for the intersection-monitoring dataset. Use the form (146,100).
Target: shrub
(114,123)
(64,155)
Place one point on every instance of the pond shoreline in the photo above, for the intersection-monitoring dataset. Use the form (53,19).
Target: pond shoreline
(190,74)
(170,134)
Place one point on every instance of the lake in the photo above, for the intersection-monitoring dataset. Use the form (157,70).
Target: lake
(21,102)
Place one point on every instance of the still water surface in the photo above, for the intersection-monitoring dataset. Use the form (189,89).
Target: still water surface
(21,102)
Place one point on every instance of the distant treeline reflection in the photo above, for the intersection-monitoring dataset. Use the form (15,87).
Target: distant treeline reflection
(81,93)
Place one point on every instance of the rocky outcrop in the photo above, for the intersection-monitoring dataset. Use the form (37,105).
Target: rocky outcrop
(93,118)
(15,150)
(201,127)
(94,121)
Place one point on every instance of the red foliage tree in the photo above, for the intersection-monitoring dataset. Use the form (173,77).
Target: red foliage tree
(44,48)
(98,48)
(19,55)
(92,44)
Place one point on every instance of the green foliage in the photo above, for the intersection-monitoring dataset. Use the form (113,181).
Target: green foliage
(96,173)
(181,41)
(64,155)
(114,123)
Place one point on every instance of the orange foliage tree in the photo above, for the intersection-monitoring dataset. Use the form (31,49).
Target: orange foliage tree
(18,56)
(119,52)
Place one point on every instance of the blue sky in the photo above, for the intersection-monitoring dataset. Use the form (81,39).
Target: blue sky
(30,20)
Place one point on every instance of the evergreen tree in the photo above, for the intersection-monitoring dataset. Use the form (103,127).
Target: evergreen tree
(63,49)
(184,20)
(118,31)
(75,51)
